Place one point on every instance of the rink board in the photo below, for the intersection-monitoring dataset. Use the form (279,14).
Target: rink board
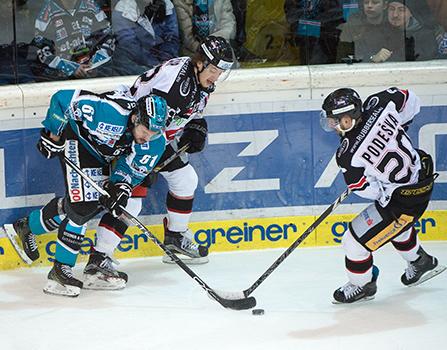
(231,235)
(267,172)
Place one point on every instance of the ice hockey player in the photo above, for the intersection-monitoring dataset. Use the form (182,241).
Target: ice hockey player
(186,84)
(379,162)
(91,130)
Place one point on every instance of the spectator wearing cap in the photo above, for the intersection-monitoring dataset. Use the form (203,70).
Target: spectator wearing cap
(146,33)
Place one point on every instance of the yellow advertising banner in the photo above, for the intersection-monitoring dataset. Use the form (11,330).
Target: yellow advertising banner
(231,235)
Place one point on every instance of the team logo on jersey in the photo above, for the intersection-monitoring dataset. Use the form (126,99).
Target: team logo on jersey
(58,23)
(372,103)
(343,147)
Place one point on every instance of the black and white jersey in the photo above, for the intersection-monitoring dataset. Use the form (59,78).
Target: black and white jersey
(176,81)
(377,156)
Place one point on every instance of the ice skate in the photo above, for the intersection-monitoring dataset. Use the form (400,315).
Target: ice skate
(421,270)
(100,274)
(62,282)
(23,240)
(181,243)
(350,293)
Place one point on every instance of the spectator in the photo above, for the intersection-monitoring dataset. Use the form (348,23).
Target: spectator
(411,36)
(73,39)
(362,35)
(146,33)
(200,18)
(434,13)
(314,23)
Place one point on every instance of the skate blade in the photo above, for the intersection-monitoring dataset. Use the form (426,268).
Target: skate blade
(187,260)
(14,239)
(55,288)
(429,275)
(93,282)
(354,302)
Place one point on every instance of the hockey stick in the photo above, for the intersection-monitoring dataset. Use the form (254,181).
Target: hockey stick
(234,301)
(159,167)
(298,241)
(9,231)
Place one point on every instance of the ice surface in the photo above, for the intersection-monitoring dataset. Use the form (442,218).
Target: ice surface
(163,308)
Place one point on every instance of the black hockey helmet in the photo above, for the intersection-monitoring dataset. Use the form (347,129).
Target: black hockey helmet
(217,51)
(338,103)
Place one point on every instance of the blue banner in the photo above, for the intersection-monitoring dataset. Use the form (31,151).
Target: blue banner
(251,161)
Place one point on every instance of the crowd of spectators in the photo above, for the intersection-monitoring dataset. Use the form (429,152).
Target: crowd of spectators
(47,40)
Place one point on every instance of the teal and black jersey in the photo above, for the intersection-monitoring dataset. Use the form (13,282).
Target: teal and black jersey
(101,123)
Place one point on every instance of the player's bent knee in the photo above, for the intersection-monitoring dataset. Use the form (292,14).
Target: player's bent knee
(80,213)
(182,182)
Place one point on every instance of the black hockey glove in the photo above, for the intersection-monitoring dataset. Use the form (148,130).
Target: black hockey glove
(119,194)
(149,180)
(194,134)
(48,147)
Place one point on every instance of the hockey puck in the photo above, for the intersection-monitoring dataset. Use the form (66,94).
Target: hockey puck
(257,312)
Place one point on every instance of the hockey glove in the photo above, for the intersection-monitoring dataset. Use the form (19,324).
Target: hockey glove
(194,134)
(119,194)
(48,147)
(149,180)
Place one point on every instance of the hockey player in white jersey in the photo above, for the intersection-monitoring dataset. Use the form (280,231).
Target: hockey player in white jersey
(379,162)
(186,84)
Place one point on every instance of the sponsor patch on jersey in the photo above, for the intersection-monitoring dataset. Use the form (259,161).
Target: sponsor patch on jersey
(343,147)
(110,128)
(372,103)
(90,194)
(185,87)
(74,182)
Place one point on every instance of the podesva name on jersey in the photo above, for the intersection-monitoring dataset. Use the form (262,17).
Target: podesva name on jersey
(378,143)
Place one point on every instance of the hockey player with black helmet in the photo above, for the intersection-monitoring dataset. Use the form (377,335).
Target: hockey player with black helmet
(186,84)
(91,130)
(379,162)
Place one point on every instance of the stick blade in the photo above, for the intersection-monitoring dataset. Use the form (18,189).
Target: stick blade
(232,300)
(239,304)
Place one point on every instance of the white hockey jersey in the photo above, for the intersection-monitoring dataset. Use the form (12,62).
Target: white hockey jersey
(377,156)
(176,81)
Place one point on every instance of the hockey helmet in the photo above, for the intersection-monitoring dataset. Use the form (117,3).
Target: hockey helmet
(217,52)
(152,112)
(337,104)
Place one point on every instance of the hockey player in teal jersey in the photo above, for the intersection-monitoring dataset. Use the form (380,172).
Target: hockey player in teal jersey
(92,130)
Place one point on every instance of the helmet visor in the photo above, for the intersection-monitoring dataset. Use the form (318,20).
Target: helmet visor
(328,124)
